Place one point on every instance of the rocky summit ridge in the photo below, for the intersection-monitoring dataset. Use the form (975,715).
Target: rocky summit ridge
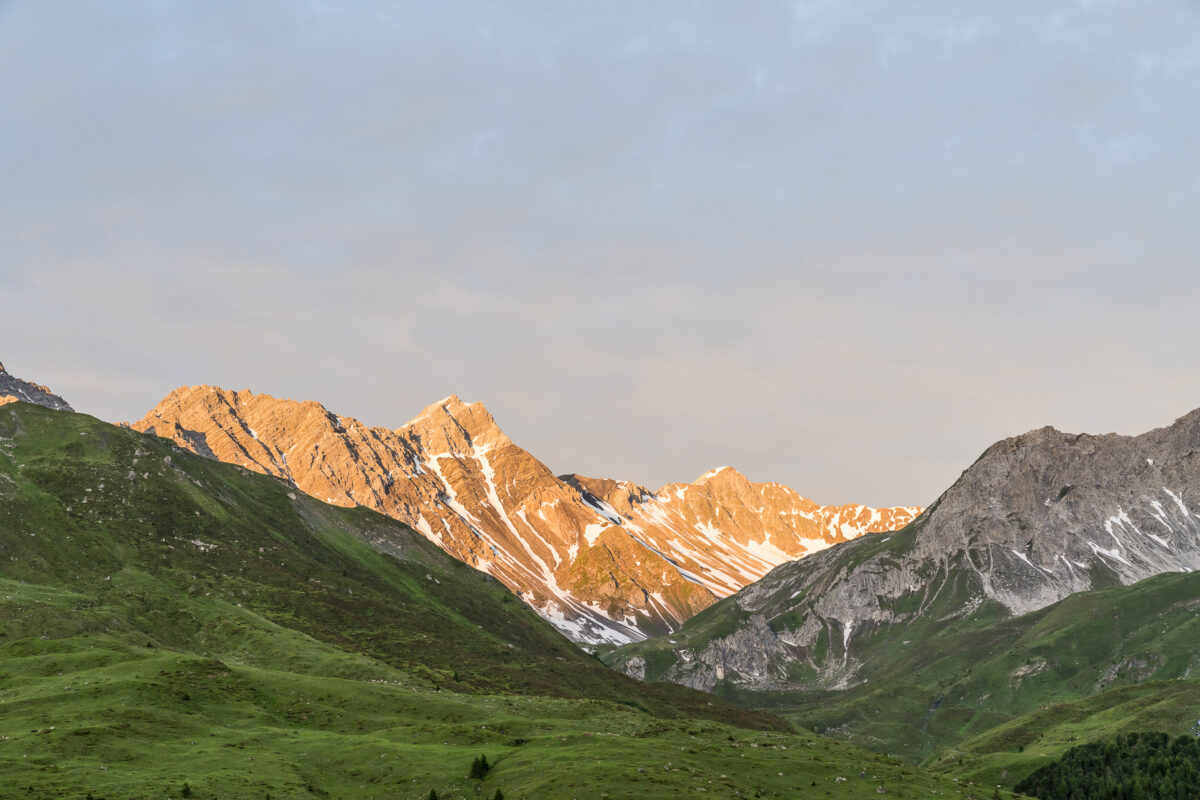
(1036,518)
(15,390)
(604,560)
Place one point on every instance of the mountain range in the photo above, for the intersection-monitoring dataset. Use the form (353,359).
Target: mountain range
(174,626)
(1047,597)
(1036,518)
(603,560)
(1058,567)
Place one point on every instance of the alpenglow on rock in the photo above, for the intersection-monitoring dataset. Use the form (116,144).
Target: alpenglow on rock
(15,390)
(1037,518)
(605,561)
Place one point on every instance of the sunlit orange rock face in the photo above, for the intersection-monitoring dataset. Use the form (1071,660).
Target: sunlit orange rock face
(602,560)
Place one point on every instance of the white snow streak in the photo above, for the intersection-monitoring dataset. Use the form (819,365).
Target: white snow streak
(1113,554)
(1178,501)
(591,532)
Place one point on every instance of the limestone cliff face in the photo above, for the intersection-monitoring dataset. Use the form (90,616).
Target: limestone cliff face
(602,560)
(15,390)
(1038,517)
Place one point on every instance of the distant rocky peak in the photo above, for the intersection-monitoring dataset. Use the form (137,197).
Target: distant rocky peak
(15,390)
(722,473)
(723,479)
(452,426)
(622,496)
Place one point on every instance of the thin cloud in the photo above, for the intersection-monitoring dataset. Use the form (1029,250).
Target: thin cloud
(840,245)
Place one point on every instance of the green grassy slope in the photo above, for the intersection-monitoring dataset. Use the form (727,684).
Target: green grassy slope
(177,551)
(166,619)
(945,687)
(1009,752)
(930,685)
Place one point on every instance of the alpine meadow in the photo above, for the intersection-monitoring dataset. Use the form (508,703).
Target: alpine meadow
(818,407)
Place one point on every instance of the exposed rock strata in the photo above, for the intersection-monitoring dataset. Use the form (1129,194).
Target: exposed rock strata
(15,390)
(1038,517)
(603,560)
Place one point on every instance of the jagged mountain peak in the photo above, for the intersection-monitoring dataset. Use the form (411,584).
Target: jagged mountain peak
(729,487)
(725,475)
(1052,439)
(1036,518)
(208,396)
(604,560)
(1190,420)
(454,425)
(448,406)
(15,390)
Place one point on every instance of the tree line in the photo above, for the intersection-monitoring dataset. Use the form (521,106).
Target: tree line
(1133,766)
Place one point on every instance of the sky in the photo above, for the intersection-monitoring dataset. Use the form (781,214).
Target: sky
(844,246)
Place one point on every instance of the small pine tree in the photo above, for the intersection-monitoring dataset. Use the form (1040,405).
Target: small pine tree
(433,795)
(186,791)
(479,768)
(499,795)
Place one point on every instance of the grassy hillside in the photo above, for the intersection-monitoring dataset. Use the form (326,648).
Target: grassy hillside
(924,694)
(1009,752)
(930,687)
(172,626)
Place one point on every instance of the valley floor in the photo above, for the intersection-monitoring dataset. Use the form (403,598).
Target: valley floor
(90,716)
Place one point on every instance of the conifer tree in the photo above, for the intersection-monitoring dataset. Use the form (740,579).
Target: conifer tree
(1134,766)
(479,768)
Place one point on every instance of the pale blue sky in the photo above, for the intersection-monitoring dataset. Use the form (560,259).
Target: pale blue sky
(840,245)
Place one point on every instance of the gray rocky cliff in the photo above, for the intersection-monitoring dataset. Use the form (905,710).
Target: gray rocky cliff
(13,389)
(1037,517)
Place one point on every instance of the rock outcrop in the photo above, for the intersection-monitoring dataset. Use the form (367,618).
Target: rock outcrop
(603,560)
(15,390)
(1038,517)
(724,531)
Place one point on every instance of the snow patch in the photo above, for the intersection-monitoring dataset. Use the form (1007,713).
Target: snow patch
(1025,558)
(423,526)
(489,475)
(451,495)
(712,473)
(773,556)
(602,508)
(1126,524)
(1160,514)
(1178,501)
(1113,554)
(591,532)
